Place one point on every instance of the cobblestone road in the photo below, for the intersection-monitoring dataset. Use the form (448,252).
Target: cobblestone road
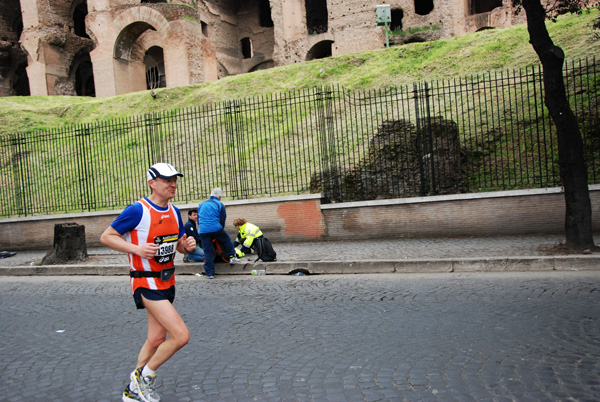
(437,337)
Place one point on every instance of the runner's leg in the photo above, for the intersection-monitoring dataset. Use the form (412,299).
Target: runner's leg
(162,319)
(156,336)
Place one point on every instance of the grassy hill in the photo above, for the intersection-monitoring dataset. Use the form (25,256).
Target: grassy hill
(476,53)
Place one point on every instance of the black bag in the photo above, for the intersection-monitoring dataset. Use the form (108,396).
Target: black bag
(264,250)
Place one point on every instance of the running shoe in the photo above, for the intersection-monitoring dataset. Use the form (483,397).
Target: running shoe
(146,386)
(130,395)
(131,391)
(233,260)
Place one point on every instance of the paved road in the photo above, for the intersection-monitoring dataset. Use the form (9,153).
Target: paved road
(390,337)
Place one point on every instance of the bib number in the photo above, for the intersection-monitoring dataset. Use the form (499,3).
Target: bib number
(167,246)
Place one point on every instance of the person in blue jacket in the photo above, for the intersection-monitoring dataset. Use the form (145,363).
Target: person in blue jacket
(211,223)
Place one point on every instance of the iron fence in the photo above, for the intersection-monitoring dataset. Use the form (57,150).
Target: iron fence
(480,133)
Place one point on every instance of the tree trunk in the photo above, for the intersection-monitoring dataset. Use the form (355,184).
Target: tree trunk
(573,171)
(69,244)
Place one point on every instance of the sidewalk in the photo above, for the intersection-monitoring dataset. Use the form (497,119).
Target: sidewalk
(509,253)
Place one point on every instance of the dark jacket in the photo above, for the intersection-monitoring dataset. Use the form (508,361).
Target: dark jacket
(191,230)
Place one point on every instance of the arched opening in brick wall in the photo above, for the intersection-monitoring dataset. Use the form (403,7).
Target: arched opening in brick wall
(155,68)
(264,14)
(320,50)
(21,82)
(222,70)
(317,19)
(483,6)
(79,14)
(424,7)
(84,76)
(13,58)
(11,21)
(246,44)
(263,66)
(127,39)
(397,16)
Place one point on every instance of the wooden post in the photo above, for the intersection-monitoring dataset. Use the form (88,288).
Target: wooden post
(69,244)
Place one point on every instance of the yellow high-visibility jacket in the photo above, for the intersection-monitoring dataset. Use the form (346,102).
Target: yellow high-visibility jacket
(248,232)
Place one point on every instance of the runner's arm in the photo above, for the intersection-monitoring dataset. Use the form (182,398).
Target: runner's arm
(113,239)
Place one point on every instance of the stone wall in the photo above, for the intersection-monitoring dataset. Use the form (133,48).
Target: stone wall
(303,218)
(99,47)
(518,212)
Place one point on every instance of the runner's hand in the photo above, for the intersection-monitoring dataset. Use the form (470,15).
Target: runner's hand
(147,250)
(189,243)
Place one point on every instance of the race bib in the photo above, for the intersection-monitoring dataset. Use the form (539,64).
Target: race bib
(167,246)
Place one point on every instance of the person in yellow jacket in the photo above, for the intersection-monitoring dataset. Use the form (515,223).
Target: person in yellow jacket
(246,236)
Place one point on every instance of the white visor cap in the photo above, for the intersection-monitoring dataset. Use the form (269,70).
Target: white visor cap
(162,170)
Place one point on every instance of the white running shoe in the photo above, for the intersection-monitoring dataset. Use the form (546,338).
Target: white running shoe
(131,391)
(146,386)
(129,395)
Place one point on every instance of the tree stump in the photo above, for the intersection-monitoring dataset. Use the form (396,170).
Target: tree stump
(69,244)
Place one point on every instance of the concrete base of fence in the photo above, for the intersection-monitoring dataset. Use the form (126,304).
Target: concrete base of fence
(478,214)
(304,218)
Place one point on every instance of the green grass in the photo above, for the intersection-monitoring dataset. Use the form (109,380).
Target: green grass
(260,106)
(476,53)
(400,32)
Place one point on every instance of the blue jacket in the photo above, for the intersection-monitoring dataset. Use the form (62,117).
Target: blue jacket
(211,216)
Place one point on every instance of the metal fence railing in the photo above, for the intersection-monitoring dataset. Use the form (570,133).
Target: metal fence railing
(481,133)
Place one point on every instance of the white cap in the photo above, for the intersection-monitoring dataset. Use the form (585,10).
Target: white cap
(162,170)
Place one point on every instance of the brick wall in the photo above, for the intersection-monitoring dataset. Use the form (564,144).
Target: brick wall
(484,214)
(303,218)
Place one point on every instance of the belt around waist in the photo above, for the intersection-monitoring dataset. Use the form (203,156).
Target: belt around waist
(164,274)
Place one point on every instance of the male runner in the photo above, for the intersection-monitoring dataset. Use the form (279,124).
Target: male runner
(153,232)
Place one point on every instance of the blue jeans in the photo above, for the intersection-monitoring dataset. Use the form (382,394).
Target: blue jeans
(196,255)
(207,245)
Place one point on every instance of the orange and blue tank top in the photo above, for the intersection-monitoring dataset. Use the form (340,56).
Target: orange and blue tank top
(159,226)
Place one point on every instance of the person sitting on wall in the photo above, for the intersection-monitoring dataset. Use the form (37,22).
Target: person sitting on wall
(247,235)
(191,229)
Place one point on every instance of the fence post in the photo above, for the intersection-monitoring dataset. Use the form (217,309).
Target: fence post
(155,154)
(422,173)
(235,151)
(21,205)
(86,188)
(432,183)
(330,174)
(424,139)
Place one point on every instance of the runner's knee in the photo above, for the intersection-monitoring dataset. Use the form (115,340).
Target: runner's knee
(156,340)
(181,336)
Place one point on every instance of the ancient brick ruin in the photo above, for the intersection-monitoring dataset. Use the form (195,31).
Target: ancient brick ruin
(110,47)
(402,160)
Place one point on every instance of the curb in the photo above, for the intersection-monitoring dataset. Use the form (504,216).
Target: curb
(464,265)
